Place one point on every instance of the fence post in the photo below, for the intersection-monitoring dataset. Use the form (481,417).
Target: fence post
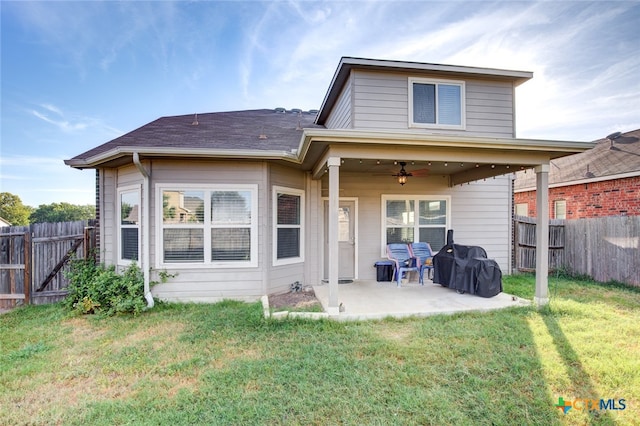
(27,267)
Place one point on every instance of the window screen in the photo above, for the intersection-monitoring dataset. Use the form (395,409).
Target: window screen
(436,103)
(129,225)
(209,226)
(288,235)
(416,220)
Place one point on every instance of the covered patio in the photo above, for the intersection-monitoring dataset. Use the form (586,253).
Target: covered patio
(368,299)
(459,159)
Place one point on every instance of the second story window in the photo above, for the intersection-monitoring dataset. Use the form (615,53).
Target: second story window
(436,103)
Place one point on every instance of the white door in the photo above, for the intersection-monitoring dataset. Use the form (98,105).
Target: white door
(346,239)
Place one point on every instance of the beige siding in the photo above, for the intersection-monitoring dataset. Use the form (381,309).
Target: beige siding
(380,101)
(282,276)
(208,283)
(210,286)
(201,283)
(481,217)
(314,249)
(108,217)
(490,109)
(340,115)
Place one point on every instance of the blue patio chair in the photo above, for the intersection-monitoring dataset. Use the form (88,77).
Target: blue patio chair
(424,258)
(403,261)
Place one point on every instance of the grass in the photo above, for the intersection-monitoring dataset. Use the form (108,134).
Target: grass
(226,364)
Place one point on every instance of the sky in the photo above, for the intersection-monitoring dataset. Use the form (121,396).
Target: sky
(75,75)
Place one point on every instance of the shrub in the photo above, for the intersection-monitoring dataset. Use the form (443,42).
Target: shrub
(97,289)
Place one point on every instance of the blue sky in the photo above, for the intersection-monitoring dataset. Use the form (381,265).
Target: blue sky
(78,74)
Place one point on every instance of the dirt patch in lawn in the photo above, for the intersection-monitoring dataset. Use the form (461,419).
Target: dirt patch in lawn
(299,300)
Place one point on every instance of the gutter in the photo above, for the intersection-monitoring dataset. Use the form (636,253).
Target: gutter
(145,229)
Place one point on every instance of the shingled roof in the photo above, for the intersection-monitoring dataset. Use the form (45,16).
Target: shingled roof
(267,130)
(608,159)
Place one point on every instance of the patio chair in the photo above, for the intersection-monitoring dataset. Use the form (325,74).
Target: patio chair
(403,261)
(424,258)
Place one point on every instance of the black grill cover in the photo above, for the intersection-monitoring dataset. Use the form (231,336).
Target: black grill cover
(482,277)
(466,269)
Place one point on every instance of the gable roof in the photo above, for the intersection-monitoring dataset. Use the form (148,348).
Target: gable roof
(608,159)
(262,133)
(416,68)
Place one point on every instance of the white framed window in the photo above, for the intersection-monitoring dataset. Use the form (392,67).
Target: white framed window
(288,229)
(212,225)
(415,218)
(128,224)
(436,103)
(560,209)
(522,209)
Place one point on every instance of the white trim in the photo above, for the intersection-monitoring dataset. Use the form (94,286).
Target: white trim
(137,188)
(583,181)
(437,82)
(206,226)
(556,204)
(274,205)
(415,197)
(519,207)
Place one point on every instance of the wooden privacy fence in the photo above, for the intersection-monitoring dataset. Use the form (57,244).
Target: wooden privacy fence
(32,260)
(604,248)
(525,243)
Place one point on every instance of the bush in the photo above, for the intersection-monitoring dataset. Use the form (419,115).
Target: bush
(96,289)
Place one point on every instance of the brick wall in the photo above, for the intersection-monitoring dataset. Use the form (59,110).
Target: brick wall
(607,198)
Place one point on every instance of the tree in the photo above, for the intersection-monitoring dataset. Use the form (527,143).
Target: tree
(12,209)
(62,212)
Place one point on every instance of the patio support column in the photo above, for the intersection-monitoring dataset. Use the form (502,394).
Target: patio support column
(541,297)
(334,177)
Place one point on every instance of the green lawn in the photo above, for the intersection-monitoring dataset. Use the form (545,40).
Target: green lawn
(225,364)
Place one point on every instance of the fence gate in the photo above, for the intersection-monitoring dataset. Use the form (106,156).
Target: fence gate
(33,259)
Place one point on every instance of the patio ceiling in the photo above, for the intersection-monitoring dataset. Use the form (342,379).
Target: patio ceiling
(462,159)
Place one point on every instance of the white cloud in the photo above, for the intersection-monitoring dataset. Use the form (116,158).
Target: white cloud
(72,123)
(63,125)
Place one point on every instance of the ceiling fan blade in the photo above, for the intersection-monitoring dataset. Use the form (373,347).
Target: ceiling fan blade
(421,172)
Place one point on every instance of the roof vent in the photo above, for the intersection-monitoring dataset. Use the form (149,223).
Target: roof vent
(296,111)
(612,137)
(313,111)
(262,134)
(280,110)
(195,120)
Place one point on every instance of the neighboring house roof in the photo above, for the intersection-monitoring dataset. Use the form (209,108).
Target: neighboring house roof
(415,68)
(261,133)
(613,158)
(4,222)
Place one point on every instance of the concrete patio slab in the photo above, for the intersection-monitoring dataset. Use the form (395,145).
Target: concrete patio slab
(365,299)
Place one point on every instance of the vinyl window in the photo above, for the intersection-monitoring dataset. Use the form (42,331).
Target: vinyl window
(560,209)
(129,224)
(415,219)
(436,103)
(213,226)
(288,216)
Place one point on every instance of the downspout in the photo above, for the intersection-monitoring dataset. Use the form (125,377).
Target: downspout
(145,229)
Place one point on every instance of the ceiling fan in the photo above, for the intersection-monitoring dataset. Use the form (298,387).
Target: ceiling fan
(402,175)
